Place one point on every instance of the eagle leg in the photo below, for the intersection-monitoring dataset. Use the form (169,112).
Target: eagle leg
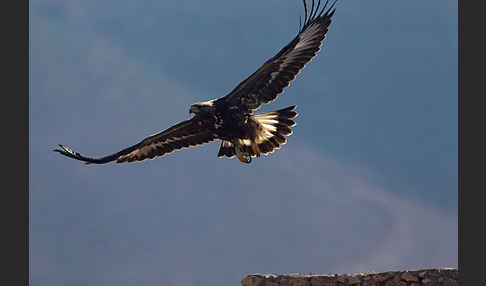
(255,149)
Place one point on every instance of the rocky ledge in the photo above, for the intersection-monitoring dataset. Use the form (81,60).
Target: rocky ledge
(426,277)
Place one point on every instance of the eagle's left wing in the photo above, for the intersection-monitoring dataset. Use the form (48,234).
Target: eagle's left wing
(269,80)
(196,131)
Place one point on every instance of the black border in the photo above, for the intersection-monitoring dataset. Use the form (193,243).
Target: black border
(25,186)
(15,119)
(15,135)
(471,79)
(463,275)
(24,158)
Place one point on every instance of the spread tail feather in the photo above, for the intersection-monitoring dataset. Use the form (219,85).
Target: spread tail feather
(272,129)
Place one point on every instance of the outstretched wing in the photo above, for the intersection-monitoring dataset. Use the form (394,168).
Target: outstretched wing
(273,76)
(196,131)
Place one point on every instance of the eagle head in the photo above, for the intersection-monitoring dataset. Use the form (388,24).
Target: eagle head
(202,107)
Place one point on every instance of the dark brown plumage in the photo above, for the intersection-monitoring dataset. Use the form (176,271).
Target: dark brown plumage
(231,118)
(264,85)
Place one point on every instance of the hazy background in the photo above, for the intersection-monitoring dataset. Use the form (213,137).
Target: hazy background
(367,182)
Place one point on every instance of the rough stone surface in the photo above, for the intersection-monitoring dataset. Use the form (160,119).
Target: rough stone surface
(382,277)
(409,277)
(353,280)
(428,277)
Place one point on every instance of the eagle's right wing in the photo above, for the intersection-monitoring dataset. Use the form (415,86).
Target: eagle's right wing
(264,85)
(195,131)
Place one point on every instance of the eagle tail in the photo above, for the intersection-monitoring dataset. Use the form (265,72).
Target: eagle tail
(269,136)
(274,127)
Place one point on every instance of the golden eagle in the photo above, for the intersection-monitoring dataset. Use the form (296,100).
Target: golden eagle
(231,118)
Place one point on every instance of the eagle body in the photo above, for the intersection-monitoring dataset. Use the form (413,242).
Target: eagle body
(231,122)
(243,133)
(226,122)
(231,118)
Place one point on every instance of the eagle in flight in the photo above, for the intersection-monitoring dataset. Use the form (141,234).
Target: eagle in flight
(243,133)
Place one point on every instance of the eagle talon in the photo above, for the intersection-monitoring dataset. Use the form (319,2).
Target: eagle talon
(243,156)
(244,159)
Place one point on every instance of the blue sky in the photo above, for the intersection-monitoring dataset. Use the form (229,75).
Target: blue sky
(367,182)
